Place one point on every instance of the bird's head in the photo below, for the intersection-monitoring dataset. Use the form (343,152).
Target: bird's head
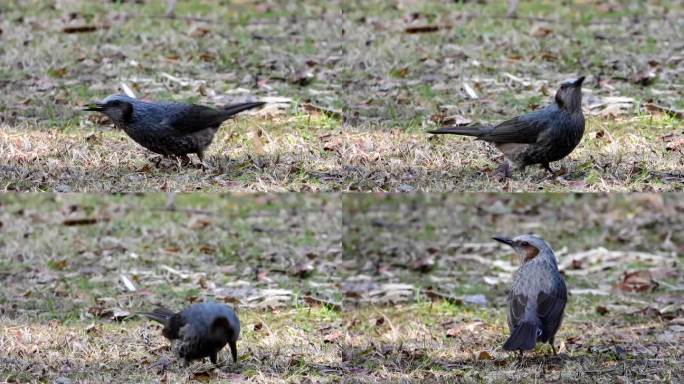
(119,108)
(569,95)
(527,247)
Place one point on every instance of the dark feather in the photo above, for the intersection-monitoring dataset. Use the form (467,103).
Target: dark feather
(516,310)
(523,337)
(550,311)
(200,117)
(515,130)
(160,314)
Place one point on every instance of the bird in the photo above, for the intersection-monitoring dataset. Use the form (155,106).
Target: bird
(539,137)
(537,299)
(168,128)
(200,330)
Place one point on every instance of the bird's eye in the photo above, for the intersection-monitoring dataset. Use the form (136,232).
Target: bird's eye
(525,244)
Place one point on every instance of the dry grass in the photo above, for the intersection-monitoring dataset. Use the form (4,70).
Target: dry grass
(402,344)
(314,154)
(289,159)
(265,253)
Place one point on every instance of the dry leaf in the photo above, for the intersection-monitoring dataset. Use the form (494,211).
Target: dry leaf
(333,336)
(637,281)
(539,30)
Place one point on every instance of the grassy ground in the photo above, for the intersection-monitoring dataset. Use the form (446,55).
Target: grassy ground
(314,65)
(332,288)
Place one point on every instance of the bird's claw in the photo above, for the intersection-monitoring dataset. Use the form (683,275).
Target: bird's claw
(162,364)
(503,172)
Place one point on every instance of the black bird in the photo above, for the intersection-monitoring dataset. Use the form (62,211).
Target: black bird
(537,299)
(540,137)
(168,128)
(200,330)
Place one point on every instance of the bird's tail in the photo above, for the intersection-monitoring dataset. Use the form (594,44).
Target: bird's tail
(524,337)
(234,109)
(222,329)
(160,314)
(470,130)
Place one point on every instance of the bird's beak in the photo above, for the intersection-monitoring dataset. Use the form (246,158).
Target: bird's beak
(97,107)
(578,82)
(504,240)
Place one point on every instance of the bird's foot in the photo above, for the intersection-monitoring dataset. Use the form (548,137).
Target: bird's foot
(184,160)
(156,160)
(560,172)
(503,171)
(162,364)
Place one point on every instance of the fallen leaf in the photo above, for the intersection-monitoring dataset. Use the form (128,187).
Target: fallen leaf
(539,30)
(424,264)
(311,108)
(433,295)
(651,107)
(644,77)
(325,303)
(332,337)
(198,31)
(637,281)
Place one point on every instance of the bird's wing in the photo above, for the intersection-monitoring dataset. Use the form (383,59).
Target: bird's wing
(194,118)
(516,309)
(190,344)
(550,309)
(522,130)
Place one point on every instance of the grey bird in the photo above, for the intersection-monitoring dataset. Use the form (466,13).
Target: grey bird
(539,137)
(537,299)
(168,128)
(200,330)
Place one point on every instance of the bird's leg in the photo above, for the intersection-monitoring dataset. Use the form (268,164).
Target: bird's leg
(557,173)
(213,357)
(520,356)
(233,350)
(162,364)
(157,160)
(200,156)
(553,348)
(185,160)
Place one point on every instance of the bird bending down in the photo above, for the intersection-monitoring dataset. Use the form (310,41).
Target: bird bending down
(537,299)
(168,128)
(200,330)
(540,137)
